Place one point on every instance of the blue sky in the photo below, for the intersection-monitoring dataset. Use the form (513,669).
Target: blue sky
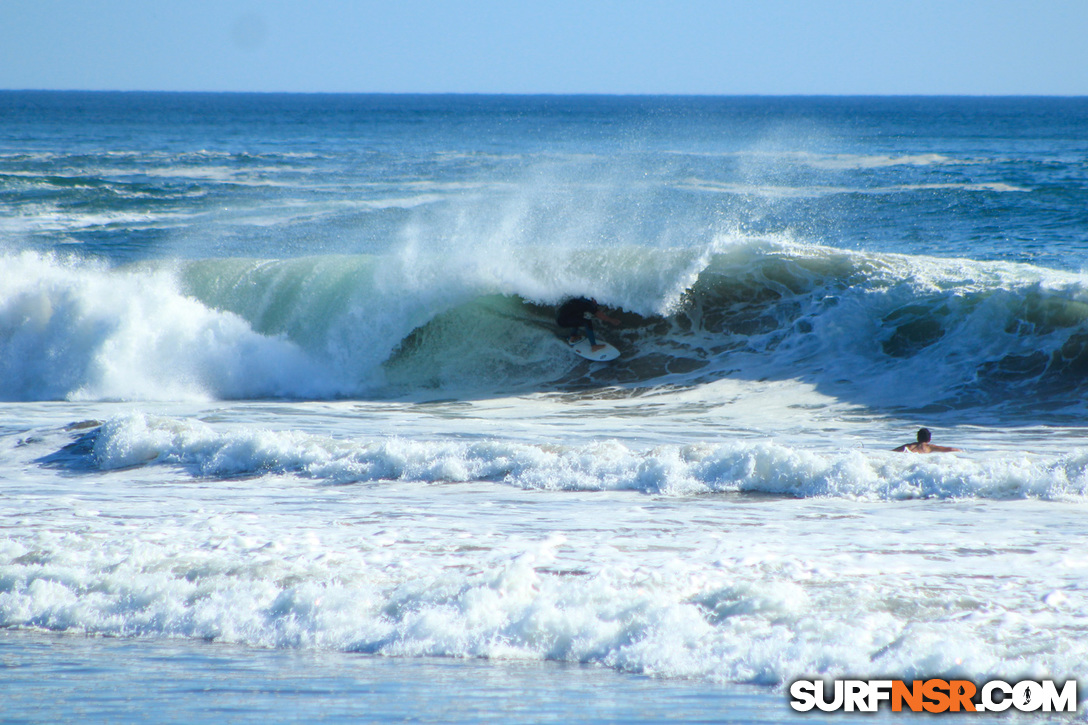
(978,47)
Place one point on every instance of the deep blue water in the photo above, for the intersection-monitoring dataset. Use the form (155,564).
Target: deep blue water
(909,175)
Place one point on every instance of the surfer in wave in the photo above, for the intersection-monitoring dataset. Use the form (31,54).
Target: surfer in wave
(923,445)
(577,314)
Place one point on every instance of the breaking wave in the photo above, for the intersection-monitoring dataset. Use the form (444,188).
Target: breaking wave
(891,332)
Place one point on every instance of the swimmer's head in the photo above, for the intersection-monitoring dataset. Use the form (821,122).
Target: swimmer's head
(923,435)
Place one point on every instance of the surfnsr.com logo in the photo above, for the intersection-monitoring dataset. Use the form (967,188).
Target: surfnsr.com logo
(934,695)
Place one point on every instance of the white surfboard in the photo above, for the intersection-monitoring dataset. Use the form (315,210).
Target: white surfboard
(583,348)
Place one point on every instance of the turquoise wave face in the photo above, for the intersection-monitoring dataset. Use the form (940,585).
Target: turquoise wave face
(863,328)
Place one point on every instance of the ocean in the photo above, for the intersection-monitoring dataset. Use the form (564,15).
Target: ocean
(289,432)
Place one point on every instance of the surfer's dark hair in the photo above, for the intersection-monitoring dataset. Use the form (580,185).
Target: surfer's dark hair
(923,435)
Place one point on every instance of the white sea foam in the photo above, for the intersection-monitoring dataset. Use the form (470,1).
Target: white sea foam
(876,161)
(58,221)
(716,589)
(79,331)
(814,190)
(837,162)
(674,470)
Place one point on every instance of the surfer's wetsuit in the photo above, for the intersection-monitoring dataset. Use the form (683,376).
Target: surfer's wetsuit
(577,314)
